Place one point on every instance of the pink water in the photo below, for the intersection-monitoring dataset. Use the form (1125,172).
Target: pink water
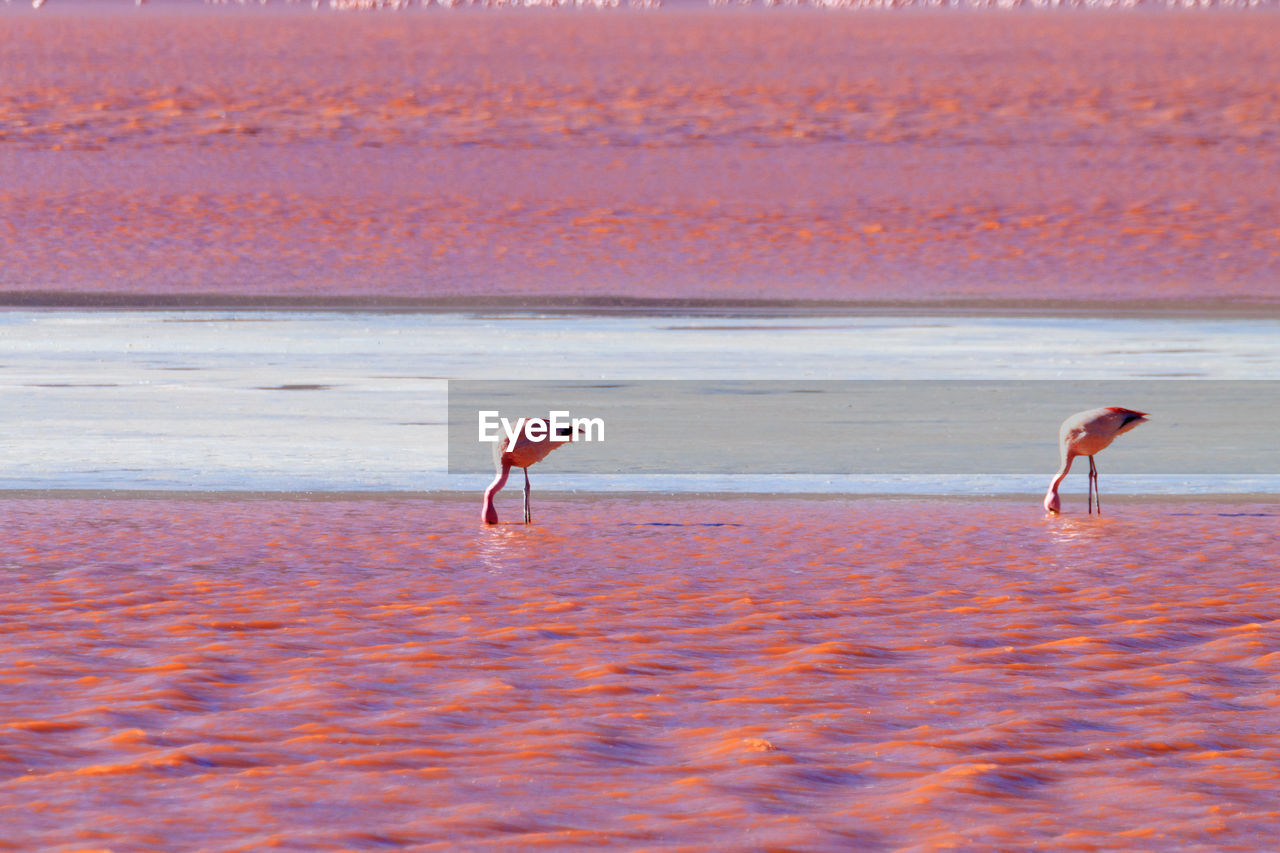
(638,673)
(688,153)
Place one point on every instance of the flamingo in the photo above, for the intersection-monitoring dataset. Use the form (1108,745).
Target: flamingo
(525,453)
(1084,434)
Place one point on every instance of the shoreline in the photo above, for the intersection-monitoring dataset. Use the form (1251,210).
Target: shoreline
(603,305)
(591,497)
(281,8)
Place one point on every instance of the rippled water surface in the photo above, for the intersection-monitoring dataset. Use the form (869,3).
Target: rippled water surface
(643,674)
(211,672)
(705,153)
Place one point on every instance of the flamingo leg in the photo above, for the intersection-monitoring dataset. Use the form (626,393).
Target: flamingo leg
(1090,485)
(1092,473)
(528,518)
(1097,495)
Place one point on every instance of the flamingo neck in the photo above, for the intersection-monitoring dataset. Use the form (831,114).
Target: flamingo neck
(1062,472)
(489,513)
(1051,496)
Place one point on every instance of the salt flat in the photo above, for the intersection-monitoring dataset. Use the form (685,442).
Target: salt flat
(357,400)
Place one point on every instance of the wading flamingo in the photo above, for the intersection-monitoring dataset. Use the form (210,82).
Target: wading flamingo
(1084,434)
(525,453)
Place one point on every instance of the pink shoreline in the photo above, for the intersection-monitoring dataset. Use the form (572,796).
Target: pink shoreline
(451,498)
(589,304)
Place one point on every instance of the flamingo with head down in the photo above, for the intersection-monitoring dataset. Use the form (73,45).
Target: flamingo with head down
(525,453)
(1085,434)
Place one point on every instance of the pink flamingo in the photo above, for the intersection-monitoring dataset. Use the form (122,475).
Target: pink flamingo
(525,453)
(1084,434)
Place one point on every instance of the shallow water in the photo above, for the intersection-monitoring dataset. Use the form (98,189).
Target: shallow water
(637,674)
(687,153)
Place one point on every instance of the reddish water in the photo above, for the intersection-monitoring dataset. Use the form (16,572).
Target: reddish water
(638,673)
(686,153)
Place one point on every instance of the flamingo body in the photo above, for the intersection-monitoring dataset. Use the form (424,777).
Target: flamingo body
(1086,434)
(524,453)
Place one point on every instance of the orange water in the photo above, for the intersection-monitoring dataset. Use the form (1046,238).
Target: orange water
(641,673)
(682,154)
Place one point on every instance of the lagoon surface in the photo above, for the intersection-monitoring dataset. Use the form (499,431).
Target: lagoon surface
(638,674)
(249,607)
(719,153)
